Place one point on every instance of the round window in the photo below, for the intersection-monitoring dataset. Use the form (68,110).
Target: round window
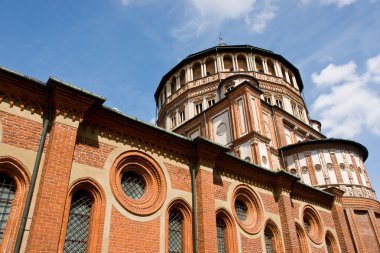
(241,210)
(133,185)
(313,224)
(138,182)
(247,209)
(318,167)
(221,129)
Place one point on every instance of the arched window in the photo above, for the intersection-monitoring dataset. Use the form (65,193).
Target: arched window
(221,235)
(78,225)
(270,245)
(227,63)
(259,64)
(82,229)
(272,238)
(242,63)
(301,239)
(225,231)
(14,183)
(210,66)
(197,72)
(175,232)
(331,245)
(271,67)
(182,79)
(7,194)
(179,227)
(172,85)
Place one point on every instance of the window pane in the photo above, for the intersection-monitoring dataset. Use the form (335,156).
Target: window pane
(78,223)
(133,185)
(175,232)
(221,235)
(7,193)
(241,210)
(269,241)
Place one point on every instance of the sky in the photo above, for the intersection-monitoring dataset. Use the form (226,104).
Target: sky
(120,49)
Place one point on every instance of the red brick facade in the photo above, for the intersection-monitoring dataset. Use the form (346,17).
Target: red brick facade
(139,184)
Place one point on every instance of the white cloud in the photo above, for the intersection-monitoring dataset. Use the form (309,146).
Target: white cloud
(333,74)
(351,102)
(128,2)
(203,16)
(338,3)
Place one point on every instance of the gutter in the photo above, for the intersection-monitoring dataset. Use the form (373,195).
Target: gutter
(194,200)
(33,179)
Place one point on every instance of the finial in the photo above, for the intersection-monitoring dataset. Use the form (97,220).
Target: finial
(221,43)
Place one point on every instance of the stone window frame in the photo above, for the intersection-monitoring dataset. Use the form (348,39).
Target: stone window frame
(184,208)
(20,176)
(96,192)
(302,240)
(271,225)
(255,211)
(151,172)
(316,225)
(231,240)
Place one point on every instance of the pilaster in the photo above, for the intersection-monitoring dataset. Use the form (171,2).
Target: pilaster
(68,107)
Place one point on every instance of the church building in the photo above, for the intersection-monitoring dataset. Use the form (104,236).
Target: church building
(234,165)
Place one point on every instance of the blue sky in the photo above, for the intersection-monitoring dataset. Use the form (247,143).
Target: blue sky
(120,49)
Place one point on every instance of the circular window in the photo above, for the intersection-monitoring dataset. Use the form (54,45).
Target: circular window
(247,209)
(351,167)
(304,170)
(329,166)
(293,171)
(133,184)
(247,159)
(221,129)
(241,210)
(318,167)
(138,183)
(264,159)
(313,224)
(342,166)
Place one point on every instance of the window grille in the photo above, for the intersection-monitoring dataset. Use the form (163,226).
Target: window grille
(78,224)
(269,241)
(241,210)
(307,225)
(221,233)
(175,232)
(7,194)
(329,246)
(133,185)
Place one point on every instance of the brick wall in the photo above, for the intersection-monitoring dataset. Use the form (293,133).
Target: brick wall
(206,212)
(251,245)
(220,187)
(51,198)
(133,236)
(327,219)
(366,232)
(179,177)
(91,152)
(20,132)
(270,204)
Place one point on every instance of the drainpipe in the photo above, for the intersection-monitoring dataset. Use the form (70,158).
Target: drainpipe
(194,200)
(33,179)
